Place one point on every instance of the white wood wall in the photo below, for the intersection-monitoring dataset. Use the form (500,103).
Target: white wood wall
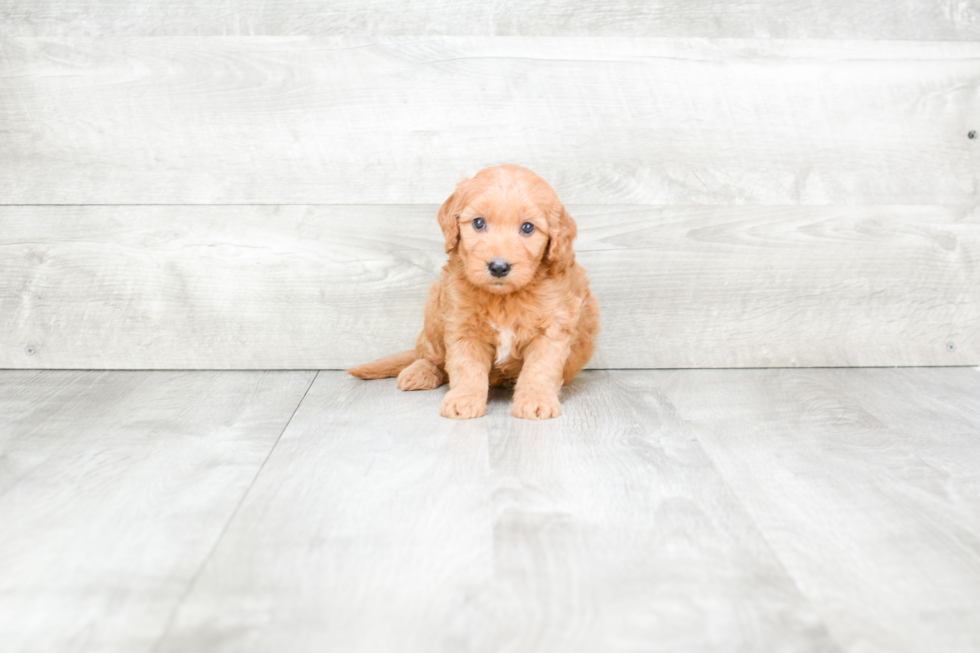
(934,20)
(254,184)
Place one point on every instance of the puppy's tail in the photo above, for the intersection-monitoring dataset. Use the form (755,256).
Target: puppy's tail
(384,367)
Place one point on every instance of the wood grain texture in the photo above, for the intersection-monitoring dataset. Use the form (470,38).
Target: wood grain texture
(865,483)
(330,287)
(114,487)
(376,525)
(351,120)
(696,510)
(899,19)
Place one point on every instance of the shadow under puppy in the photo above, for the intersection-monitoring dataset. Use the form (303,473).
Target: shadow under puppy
(512,305)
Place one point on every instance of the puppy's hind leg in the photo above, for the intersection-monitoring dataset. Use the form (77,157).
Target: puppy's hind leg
(421,375)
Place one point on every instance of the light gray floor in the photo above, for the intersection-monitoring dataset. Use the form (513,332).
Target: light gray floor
(725,510)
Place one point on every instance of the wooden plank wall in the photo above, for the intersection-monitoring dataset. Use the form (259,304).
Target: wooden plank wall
(934,20)
(254,184)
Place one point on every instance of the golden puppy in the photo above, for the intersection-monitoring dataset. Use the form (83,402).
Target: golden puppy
(512,304)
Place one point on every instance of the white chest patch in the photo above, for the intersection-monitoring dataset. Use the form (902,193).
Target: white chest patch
(505,339)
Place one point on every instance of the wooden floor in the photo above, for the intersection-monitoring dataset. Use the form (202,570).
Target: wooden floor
(694,510)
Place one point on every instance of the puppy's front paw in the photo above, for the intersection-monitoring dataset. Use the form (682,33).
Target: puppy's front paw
(420,375)
(458,404)
(536,405)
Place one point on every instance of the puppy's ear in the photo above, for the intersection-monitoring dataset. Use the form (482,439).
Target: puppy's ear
(563,230)
(449,219)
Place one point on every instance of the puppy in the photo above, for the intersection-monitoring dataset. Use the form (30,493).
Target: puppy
(512,305)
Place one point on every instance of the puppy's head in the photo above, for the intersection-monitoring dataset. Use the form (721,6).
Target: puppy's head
(506,224)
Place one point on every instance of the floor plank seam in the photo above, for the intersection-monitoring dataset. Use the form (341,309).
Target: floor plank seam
(224,529)
(765,540)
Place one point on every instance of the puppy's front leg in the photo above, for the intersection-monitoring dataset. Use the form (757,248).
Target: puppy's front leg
(536,391)
(468,366)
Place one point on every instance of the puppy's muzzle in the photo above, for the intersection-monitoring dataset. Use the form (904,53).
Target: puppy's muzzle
(498,267)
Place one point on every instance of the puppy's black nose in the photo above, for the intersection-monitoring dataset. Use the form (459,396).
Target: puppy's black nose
(498,267)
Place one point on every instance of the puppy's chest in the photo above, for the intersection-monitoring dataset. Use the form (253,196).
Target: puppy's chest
(507,340)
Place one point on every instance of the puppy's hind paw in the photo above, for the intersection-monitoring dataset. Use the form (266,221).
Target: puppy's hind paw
(421,375)
(536,406)
(460,405)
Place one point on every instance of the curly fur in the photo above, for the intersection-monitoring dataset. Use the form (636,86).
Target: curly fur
(534,328)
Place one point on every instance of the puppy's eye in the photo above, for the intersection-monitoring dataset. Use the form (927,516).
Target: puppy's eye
(479,223)
(527,228)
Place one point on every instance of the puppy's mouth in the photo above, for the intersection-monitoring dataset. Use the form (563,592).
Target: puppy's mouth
(499,285)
